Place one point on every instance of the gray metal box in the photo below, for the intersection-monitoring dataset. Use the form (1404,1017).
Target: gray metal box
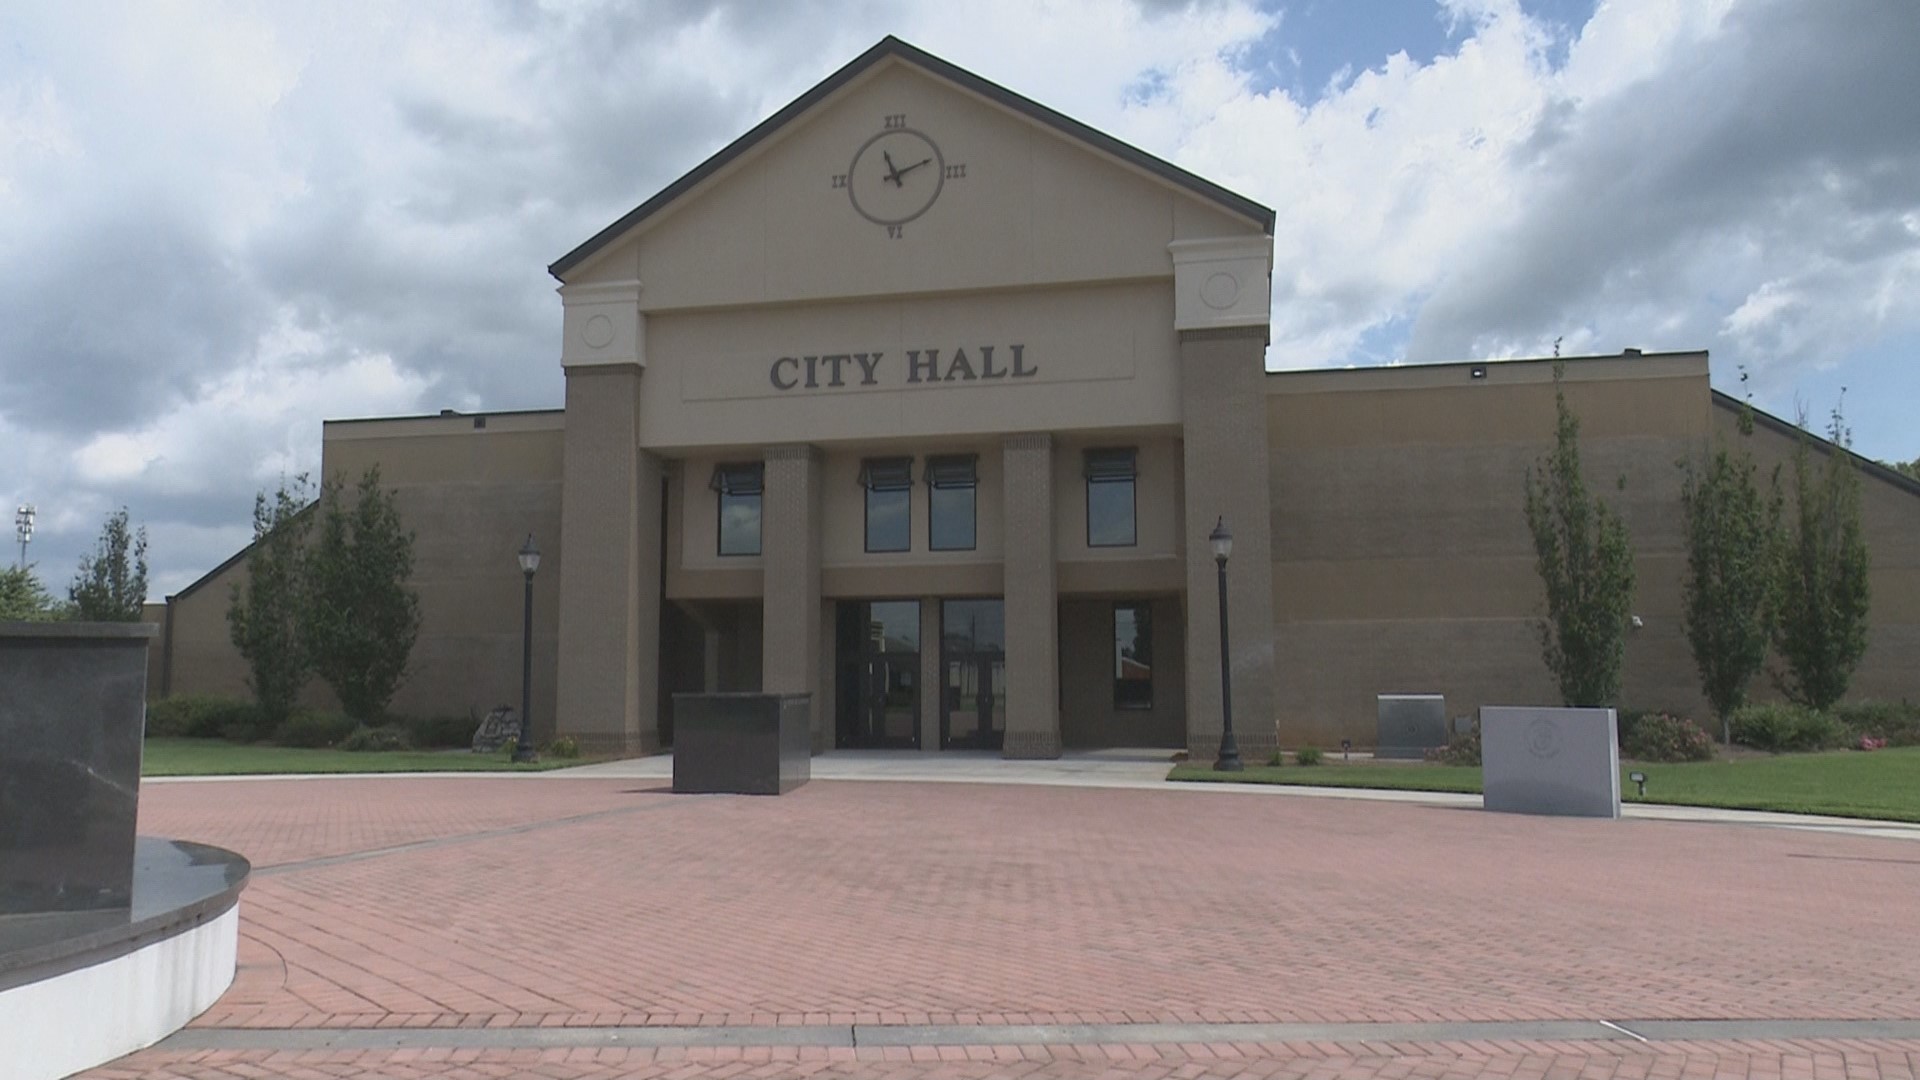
(1410,725)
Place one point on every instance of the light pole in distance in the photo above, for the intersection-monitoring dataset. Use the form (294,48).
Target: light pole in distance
(1229,761)
(529,562)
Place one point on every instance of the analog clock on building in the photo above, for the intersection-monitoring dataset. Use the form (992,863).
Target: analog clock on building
(896,175)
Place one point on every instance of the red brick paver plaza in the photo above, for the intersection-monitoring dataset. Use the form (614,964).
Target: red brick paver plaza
(470,902)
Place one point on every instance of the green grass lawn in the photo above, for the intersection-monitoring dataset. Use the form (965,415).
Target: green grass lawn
(1843,783)
(218,757)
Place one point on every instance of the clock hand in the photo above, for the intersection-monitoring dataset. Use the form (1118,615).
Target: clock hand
(893,171)
(910,168)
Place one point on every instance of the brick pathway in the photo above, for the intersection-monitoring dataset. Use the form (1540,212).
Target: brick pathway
(495,902)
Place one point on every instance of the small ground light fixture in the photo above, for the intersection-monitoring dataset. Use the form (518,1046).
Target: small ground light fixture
(1346,749)
(1640,779)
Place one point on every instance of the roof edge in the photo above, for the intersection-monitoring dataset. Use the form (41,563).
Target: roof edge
(891,46)
(1820,442)
(230,560)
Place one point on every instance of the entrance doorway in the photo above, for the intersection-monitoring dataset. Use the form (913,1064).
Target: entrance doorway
(878,657)
(973,662)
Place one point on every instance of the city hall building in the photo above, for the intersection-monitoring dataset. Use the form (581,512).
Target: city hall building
(924,399)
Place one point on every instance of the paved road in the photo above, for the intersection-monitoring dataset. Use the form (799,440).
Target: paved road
(449,927)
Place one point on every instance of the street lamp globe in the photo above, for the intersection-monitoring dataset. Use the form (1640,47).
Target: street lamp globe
(529,557)
(1222,541)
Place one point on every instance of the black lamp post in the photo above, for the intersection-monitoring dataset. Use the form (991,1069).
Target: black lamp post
(529,562)
(1229,749)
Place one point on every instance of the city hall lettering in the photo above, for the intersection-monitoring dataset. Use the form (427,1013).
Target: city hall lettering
(921,366)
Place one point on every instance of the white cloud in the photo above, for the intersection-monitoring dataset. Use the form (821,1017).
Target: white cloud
(222,222)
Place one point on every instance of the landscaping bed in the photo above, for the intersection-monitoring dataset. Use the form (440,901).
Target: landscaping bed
(219,757)
(1883,784)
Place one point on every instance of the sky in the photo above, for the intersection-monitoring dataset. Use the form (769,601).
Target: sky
(223,223)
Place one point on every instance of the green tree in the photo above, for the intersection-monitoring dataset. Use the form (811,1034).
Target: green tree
(1585,561)
(112,583)
(264,617)
(1908,469)
(23,598)
(361,618)
(1823,591)
(1731,532)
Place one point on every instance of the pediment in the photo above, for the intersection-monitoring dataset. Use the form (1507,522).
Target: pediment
(902,173)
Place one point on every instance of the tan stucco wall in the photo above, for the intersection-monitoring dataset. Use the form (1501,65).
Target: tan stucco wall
(1087,715)
(195,652)
(1402,561)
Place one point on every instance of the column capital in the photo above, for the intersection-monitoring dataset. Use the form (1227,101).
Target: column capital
(601,325)
(792,452)
(1222,281)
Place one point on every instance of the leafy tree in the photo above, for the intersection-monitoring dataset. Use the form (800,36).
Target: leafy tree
(1822,631)
(361,619)
(112,583)
(23,598)
(1586,562)
(1732,537)
(264,618)
(1908,469)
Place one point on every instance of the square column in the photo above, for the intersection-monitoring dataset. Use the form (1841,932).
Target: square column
(610,573)
(791,631)
(1223,406)
(933,675)
(1032,607)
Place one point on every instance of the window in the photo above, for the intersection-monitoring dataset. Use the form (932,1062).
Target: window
(1110,515)
(951,482)
(739,487)
(889,484)
(1133,655)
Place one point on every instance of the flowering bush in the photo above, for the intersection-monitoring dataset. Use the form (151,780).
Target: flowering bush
(1868,742)
(1463,748)
(1665,737)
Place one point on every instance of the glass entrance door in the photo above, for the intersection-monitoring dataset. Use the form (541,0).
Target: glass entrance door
(878,657)
(973,661)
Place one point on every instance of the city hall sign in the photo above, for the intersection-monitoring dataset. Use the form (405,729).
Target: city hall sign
(922,366)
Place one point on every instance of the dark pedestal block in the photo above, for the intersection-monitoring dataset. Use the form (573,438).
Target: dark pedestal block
(741,744)
(72,711)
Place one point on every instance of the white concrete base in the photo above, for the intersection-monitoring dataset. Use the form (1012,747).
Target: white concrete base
(62,1025)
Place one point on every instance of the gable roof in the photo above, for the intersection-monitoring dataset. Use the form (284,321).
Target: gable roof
(891,46)
(1821,443)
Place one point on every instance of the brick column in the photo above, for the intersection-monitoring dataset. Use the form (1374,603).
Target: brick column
(790,639)
(610,581)
(1032,608)
(1223,404)
(933,676)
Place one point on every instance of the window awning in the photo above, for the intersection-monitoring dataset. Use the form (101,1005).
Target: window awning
(952,471)
(739,479)
(1111,464)
(886,474)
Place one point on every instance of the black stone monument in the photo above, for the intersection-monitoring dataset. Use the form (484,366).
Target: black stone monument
(741,744)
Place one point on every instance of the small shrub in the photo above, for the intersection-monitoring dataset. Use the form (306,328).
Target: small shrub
(1307,755)
(1780,728)
(1898,723)
(1463,748)
(196,716)
(363,738)
(1665,737)
(563,747)
(441,732)
(312,730)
